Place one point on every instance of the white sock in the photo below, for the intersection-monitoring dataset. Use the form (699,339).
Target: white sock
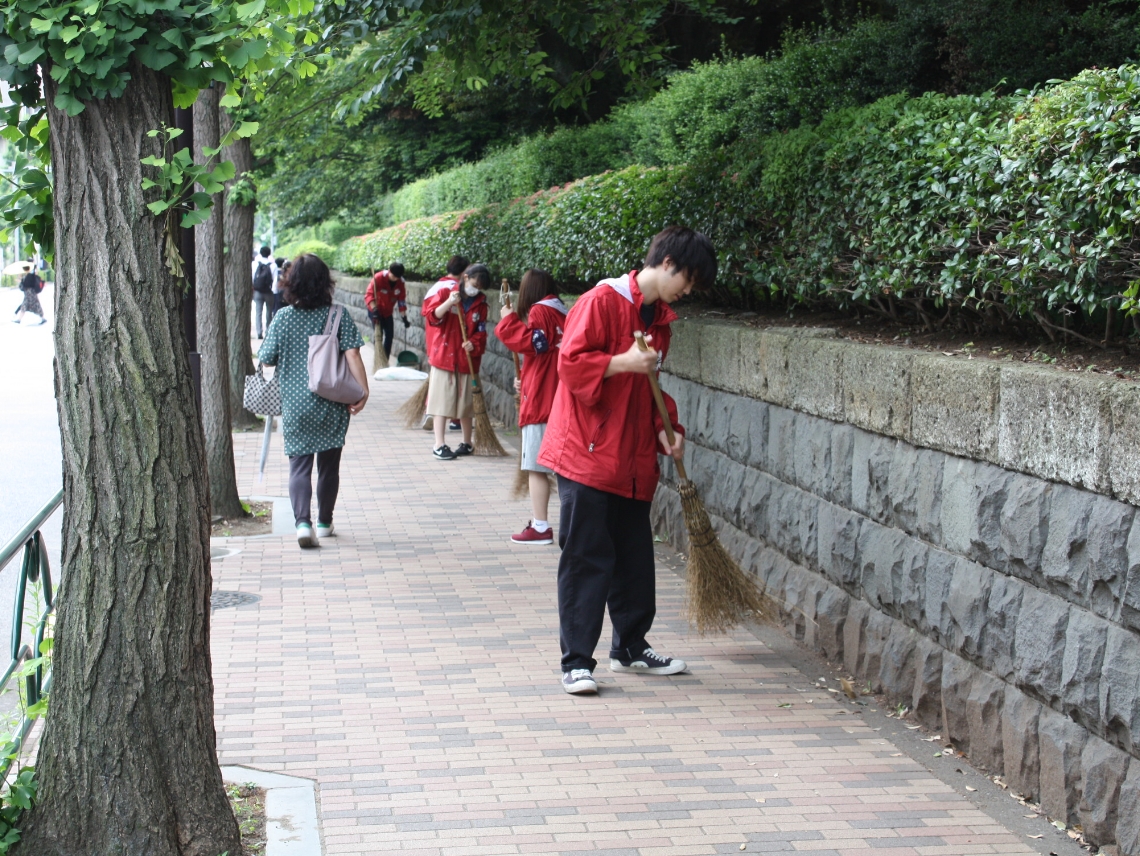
(540,525)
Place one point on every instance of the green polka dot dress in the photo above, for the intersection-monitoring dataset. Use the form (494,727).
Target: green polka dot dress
(309,423)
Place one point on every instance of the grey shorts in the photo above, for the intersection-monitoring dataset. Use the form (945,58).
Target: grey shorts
(531,443)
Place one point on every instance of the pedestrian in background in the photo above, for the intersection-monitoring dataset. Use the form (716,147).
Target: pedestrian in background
(313,427)
(278,287)
(31,285)
(264,278)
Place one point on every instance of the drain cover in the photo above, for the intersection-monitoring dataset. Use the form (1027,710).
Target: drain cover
(226,599)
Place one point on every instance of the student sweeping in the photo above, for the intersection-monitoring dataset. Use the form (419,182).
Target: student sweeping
(602,439)
(534,329)
(385,293)
(450,392)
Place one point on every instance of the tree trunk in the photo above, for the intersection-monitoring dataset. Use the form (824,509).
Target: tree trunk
(209,251)
(239,277)
(127,764)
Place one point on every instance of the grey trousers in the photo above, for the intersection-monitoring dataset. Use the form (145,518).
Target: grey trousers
(301,485)
(262,302)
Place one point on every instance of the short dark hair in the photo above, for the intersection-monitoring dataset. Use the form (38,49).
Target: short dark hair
(536,284)
(457,264)
(308,284)
(688,250)
(265,251)
(480,274)
(396,269)
(280,260)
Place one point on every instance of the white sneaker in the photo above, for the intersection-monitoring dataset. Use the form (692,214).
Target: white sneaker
(324,530)
(305,535)
(579,681)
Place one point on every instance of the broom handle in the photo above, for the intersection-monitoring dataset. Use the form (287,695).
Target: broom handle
(507,303)
(463,333)
(661,408)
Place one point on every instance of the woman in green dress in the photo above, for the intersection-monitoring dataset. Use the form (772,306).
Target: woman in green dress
(312,426)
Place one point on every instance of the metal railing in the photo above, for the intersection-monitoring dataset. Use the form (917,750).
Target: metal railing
(34,568)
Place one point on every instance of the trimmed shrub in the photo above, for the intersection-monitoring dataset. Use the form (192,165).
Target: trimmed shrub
(1005,207)
(290,251)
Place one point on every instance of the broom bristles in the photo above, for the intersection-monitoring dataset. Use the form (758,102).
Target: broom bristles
(412,410)
(521,486)
(721,595)
(487,443)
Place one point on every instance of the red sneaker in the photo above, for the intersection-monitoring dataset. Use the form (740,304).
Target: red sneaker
(531,537)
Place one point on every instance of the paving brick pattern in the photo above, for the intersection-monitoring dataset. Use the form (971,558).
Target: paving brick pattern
(410,667)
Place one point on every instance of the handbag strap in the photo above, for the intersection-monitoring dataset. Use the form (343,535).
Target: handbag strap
(332,323)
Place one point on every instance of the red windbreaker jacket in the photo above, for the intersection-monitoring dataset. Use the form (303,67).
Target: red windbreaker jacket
(602,431)
(444,340)
(538,340)
(386,292)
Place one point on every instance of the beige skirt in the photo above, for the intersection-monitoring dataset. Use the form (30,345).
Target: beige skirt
(450,394)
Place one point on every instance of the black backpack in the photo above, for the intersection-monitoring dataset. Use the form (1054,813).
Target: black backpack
(263,279)
(31,282)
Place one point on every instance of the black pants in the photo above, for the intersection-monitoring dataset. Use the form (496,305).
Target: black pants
(386,332)
(607,560)
(301,484)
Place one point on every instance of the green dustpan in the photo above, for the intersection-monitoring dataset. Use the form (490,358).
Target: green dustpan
(407,358)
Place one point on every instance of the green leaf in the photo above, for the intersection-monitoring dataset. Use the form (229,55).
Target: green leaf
(68,103)
(195,218)
(247,52)
(158,206)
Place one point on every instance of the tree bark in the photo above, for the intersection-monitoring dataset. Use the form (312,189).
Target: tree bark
(239,278)
(127,764)
(209,251)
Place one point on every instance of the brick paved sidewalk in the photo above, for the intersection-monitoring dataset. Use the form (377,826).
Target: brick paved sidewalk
(410,667)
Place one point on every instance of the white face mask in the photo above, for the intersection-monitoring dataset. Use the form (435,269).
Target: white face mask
(470,290)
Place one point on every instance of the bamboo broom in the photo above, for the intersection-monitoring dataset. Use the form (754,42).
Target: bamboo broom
(720,594)
(377,348)
(487,443)
(412,410)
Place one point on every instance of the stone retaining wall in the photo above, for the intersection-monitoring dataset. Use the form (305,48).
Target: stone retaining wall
(957,532)
(961,534)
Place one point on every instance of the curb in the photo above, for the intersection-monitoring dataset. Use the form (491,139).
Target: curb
(291,826)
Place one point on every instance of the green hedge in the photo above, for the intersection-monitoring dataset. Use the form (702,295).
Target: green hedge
(700,110)
(1007,207)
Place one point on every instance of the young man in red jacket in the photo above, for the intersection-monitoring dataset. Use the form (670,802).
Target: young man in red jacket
(602,440)
(386,292)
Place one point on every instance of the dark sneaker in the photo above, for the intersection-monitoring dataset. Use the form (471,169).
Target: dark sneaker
(533,538)
(444,453)
(579,681)
(463,449)
(649,662)
(455,425)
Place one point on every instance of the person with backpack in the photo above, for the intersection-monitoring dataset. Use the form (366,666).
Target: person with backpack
(31,285)
(264,278)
